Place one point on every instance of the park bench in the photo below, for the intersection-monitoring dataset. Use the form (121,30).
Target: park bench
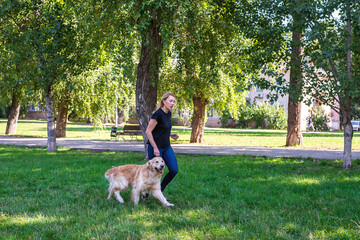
(129,130)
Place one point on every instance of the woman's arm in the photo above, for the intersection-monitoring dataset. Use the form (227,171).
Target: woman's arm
(148,132)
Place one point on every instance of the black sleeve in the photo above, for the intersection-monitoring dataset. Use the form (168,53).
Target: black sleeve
(156,116)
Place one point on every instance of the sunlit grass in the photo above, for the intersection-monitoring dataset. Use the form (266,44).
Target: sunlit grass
(62,195)
(250,138)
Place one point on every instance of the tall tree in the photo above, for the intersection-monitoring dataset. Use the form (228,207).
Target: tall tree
(148,70)
(109,41)
(155,24)
(284,22)
(59,33)
(333,73)
(16,62)
(294,135)
(206,64)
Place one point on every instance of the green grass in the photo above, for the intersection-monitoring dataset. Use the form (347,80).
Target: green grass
(63,196)
(251,138)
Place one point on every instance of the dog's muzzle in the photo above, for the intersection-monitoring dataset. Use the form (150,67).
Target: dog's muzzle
(160,169)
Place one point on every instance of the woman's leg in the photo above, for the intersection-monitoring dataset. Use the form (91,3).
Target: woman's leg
(170,160)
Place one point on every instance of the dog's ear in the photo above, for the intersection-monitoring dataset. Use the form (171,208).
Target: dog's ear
(148,164)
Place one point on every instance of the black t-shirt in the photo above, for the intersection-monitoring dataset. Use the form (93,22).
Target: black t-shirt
(161,132)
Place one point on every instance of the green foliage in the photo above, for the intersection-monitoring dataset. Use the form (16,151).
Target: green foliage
(4,109)
(355,111)
(95,94)
(224,119)
(272,116)
(320,118)
(328,48)
(204,61)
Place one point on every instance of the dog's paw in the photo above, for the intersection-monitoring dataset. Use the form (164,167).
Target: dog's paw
(169,205)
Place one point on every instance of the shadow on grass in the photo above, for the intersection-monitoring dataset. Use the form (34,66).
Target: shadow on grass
(63,195)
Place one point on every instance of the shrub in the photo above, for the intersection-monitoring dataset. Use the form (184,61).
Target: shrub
(320,118)
(278,119)
(265,115)
(224,119)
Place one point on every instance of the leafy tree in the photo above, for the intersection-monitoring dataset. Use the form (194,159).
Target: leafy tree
(60,36)
(284,22)
(16,62)
(333,71)
(116,40)
(205,65)
(55,38)
(154,22)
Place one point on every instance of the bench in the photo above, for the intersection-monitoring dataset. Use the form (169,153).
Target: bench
(129,129)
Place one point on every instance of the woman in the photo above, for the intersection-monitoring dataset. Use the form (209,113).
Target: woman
(159,133)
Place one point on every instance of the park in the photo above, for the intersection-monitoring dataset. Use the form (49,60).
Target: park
(80,82)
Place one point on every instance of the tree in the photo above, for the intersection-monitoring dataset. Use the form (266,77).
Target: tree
(59,34)
(155,24)
(333,72)
(16,62)
(278,20)
(205,67)
(112,49)
(294,135)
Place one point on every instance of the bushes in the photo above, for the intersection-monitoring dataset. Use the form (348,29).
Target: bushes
(262,115)
(320,119)
(277,118)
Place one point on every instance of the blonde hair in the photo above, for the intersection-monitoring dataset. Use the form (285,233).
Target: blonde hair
(164,97)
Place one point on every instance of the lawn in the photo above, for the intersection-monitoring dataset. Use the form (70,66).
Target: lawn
(235,137)
(62,195)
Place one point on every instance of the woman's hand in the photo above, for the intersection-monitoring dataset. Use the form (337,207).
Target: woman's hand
(156,152)
(174,136)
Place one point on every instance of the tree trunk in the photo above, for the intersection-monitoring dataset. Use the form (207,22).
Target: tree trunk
(14,112)
(198,122)
(116,114)
(148,75)
(348,133)
(121,117)
(51,144)
(62,115)
(294,135)
(346,106)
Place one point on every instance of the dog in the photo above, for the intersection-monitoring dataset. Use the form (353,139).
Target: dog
(143,179)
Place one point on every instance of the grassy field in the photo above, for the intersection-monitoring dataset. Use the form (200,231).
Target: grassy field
(63,196)
(252,138)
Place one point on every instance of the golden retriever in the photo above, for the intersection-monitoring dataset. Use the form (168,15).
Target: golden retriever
(141,178)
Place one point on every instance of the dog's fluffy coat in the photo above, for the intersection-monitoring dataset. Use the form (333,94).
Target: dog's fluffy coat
(141,178)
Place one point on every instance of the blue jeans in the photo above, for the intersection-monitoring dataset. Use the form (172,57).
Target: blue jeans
(170,160)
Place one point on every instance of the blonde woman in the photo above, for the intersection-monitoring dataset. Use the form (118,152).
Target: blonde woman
(159,133)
